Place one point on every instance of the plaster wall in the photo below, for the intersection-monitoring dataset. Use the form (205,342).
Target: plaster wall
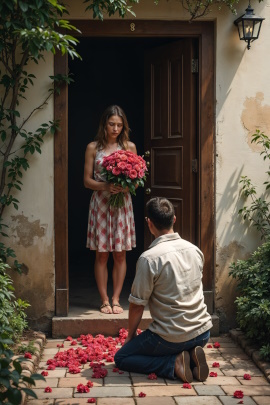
(242,105)
(32,226)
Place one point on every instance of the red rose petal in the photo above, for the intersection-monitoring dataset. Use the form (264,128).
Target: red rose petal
(152,376)
(44,373)
(247,377)
(142,395)
(215,364)
(28,355)
(209,346)
(187,385)
(91,401)
(216,345)
(48,389)
(238,394)
(212,374)
(82,388)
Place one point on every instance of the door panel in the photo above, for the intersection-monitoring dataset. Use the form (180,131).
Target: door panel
(170,132)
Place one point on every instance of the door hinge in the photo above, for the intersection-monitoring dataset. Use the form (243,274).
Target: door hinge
(194,65)
(194,165)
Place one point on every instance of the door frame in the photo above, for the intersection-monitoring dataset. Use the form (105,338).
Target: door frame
(205,32)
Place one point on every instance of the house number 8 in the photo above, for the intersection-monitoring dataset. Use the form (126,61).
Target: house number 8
(132,27)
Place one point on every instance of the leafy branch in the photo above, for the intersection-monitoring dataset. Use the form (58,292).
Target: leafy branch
(258,212)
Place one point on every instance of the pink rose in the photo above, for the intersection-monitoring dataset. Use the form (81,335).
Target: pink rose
(121,165)
(137,167)
(128,166)
(123,157)
(116,171)
(141,174)
(132,174)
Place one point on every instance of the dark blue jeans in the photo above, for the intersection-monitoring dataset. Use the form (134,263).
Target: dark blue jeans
(149,353)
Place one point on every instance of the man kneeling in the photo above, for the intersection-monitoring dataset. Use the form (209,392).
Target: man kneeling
(168,279)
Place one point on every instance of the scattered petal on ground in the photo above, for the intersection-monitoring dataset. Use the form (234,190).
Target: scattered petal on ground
(142,395)
(215,364)
(247,377)
(187,385)
(238,394)
(216,345)
(48,389)
(152,376)
(213,374)
(82,388)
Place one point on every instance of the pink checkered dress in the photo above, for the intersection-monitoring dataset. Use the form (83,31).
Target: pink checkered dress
(109,229)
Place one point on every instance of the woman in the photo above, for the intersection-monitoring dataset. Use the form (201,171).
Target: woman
(109,229)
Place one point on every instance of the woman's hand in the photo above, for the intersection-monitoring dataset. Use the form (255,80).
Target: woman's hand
(111,188)
(125,190)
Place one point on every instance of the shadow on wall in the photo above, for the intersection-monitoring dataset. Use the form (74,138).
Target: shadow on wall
(236,232)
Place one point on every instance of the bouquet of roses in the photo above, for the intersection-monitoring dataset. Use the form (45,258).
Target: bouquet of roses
(124,168)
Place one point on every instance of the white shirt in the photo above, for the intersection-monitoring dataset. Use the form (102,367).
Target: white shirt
(169,279)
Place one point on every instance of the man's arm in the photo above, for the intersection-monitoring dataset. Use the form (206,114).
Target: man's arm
(134,318)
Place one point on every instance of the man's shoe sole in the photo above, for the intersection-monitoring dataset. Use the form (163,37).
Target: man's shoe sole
(183,370)
(201,371)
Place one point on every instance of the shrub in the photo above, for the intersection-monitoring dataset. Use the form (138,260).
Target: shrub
(253,305)
(11,310)
(12,382)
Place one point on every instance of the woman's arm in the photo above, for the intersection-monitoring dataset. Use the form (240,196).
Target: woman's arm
(131,147)
(88,179)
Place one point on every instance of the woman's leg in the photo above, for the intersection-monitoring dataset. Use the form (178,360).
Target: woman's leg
(118,275)
(101,275)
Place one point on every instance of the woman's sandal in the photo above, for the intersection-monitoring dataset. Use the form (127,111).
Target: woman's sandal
(117,305)
(104,306)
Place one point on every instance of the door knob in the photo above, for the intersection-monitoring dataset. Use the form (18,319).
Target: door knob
(147,153)
(148,191)
(147,164)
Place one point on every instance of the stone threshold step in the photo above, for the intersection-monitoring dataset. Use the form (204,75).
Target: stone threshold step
(107,326)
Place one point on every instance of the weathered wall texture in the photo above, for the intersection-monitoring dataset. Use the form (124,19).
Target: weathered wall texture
(32,226)
(242,105)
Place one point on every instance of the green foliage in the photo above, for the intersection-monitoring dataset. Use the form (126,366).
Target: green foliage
(265,352)
(12,311)
(253,304)
(258,212)
(253,274)
(29,347)
(110,7)
(198,8)
(12,382)
(28,29)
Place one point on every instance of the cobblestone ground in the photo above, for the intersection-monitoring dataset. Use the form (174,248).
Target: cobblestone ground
(124,389)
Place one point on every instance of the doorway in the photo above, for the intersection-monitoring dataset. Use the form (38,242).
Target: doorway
(112,71)
(146,33)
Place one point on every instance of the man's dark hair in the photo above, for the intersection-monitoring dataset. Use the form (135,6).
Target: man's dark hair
(161,212)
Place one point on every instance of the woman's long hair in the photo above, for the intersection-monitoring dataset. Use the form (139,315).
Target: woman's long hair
(101,137)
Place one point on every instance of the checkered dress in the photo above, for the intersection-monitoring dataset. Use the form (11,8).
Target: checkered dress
(109,229)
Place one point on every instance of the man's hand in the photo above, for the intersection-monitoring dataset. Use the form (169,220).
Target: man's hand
(134,318)
(129,338)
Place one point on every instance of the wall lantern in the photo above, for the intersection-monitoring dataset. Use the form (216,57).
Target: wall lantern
(249,26)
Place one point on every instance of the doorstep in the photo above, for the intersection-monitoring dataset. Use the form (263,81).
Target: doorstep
(95,322)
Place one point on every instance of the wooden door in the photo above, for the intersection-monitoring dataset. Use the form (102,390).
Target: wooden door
(170,132)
